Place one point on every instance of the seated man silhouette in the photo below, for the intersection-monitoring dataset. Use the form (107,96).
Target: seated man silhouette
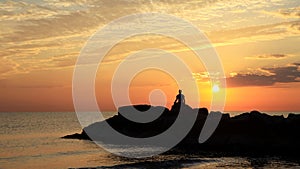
(179,98)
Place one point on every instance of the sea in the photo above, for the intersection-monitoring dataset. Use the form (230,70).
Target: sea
(33,140)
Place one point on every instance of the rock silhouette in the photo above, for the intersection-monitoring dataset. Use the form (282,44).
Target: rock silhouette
(249,132)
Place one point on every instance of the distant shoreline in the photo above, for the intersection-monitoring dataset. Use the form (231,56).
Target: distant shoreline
(231,113)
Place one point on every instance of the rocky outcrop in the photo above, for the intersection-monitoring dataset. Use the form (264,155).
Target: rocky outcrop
(249,132)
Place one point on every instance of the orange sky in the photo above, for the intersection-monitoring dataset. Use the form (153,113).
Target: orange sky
(257,43)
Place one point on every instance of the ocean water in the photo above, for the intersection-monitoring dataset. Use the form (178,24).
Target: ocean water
(32,140)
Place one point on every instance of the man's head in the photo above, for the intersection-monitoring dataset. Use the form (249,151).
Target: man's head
(180,91)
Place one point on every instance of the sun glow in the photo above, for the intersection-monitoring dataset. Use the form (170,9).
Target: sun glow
(215,88)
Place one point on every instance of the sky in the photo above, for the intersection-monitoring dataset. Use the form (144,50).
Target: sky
(257,42)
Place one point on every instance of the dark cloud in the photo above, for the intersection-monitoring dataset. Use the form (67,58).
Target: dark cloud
(285,74)
(294,12)
(285,13)
(295,27)
(269,56)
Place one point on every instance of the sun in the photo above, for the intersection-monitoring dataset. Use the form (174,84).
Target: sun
(216,88)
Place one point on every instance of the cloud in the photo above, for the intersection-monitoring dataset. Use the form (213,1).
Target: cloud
(17,10)
(286,74)
(285,13)
(295,28)
(255,33)
(291,12)
(33,32)
(201,76)
(269,56)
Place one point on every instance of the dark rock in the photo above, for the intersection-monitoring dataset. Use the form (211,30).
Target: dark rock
(292,116)
(82,136)
(248,132)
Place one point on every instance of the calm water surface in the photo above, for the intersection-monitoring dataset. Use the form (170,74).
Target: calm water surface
(32,140)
